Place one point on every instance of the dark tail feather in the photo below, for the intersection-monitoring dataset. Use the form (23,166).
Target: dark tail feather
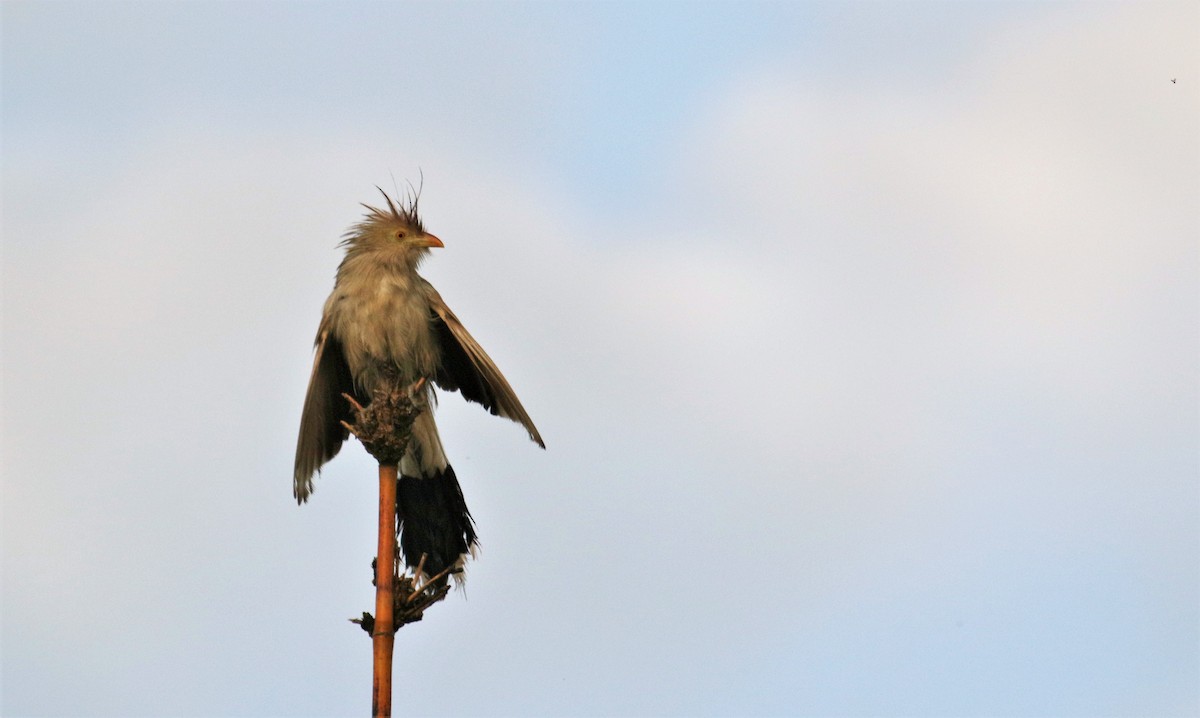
(433,520)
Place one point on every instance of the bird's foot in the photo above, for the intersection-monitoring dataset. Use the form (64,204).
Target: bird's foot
(384,425)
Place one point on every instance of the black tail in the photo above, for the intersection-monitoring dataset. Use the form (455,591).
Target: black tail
(433,520)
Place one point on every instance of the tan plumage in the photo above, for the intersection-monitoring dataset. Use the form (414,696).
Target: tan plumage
(383,316)
(495,392)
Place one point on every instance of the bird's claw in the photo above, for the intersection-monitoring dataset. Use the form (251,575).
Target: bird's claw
(356,407)
(416,387)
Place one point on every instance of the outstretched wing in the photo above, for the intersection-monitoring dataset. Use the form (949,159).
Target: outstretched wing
(321,431)
(467,368)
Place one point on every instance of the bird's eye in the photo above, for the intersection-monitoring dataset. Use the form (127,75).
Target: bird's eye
(400,234)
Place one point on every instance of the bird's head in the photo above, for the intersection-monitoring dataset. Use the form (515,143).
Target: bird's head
(395,230)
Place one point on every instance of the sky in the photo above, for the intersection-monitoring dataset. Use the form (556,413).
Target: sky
(864,338)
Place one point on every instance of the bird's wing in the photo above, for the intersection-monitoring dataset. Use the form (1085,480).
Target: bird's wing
(467,368)
(321,431)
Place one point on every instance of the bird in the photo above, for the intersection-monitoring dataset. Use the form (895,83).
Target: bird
(384,320)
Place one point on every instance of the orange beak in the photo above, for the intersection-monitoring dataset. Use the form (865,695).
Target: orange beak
(432,241)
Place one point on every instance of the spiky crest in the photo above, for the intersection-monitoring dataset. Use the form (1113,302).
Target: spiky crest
(406,214)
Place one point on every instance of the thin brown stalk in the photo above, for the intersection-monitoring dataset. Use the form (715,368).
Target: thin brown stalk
(383,638)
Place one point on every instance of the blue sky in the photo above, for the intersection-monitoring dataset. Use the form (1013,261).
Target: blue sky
(863,338)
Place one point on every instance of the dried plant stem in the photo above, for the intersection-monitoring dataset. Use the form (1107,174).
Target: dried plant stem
(384,427)
(383,638)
